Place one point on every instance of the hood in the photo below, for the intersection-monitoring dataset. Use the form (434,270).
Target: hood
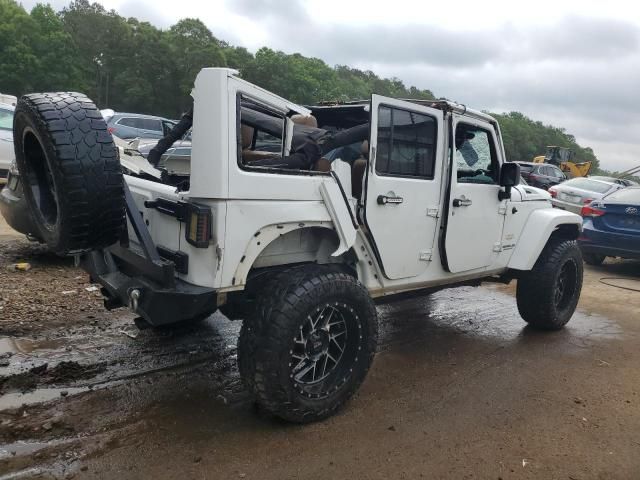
(529,193)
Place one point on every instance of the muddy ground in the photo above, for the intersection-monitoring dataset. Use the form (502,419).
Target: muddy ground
(460,389)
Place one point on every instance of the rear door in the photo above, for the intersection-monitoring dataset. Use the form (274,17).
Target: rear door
(401,202)
(474,225)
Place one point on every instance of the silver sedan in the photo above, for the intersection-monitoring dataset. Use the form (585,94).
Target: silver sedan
(574,194)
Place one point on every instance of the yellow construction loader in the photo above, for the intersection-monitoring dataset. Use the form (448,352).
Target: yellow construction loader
(563,158)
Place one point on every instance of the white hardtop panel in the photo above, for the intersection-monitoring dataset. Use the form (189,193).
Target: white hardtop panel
(210,146)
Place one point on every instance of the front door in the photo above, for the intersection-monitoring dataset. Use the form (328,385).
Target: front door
(474,226)
(403,184)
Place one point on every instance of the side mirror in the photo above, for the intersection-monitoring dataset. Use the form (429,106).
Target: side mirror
(509,177)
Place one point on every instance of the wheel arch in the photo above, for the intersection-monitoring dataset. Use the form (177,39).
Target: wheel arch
(281,245)
(541,226)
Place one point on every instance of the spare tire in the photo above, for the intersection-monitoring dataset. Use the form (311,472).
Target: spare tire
(69,166)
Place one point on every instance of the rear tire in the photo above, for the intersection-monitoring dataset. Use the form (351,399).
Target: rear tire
(309,344)
(69,166)
(548,295)
(593,258)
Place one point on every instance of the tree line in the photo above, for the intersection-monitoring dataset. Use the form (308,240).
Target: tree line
(129,65)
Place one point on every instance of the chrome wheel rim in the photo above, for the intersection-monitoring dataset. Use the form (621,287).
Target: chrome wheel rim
(324,350)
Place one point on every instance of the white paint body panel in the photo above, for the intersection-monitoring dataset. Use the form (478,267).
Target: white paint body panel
(404,234)
(538,227)
(262,219)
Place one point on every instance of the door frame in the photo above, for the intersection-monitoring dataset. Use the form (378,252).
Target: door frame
(375,102)
(452,123)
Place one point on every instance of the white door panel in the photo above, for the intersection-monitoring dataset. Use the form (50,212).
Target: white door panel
(403,188)
(475,223)
(474,229)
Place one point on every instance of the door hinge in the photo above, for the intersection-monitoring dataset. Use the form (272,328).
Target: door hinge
(502,210)
(497,247)
(433,211)
(425,255)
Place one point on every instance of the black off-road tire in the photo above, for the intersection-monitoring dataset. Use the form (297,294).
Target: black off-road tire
(286,307)
(594,259)
(69,166)
(547,295)
(263,295)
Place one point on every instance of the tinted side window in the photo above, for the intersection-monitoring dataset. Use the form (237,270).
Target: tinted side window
(129,122)
(150,124)
(406,143)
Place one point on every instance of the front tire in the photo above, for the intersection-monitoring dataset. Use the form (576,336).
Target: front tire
(310,345)
(548,295)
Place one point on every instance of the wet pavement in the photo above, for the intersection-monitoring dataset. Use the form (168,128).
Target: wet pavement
(460,388)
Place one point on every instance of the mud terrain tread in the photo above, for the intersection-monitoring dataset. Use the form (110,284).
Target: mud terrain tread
(278,314)
(535,289)
(252,325)
(85,167)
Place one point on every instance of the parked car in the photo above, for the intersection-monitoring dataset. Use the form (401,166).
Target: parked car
(574,194)
(611,227)
(8,99)
(541,175)
(176,160)
(13,207)
(6,138)
(133,125)
(620,181)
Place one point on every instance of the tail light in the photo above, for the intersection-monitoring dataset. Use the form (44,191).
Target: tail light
(110,130)
(198,223)
(587,201)
(553,192)
(590,211)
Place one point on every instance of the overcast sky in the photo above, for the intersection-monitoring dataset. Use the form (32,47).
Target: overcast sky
(574,63)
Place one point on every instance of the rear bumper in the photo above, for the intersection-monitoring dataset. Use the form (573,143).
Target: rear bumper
(158,305)
(570,207)
(15,211)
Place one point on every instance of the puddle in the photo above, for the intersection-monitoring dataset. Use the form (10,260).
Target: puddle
(26,448)
(27,345)
(40,395)
(481,313)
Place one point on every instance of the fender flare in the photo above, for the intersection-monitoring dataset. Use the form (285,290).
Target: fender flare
(265,237)
(540,225)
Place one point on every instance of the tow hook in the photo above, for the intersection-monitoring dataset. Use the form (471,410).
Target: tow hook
(134,297)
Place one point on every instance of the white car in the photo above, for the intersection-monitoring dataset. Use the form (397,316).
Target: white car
(6,138)
(574,194)
(298,246)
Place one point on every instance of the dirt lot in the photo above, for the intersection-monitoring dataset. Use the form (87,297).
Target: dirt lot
(460,389)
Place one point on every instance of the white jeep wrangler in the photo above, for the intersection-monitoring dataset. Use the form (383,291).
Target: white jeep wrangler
(400,198)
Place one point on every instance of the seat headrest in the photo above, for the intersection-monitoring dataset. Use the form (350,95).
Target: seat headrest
(246,132)
(364,149)
(309,120)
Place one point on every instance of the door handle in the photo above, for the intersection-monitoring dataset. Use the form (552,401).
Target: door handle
(462,202)
(384,200)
